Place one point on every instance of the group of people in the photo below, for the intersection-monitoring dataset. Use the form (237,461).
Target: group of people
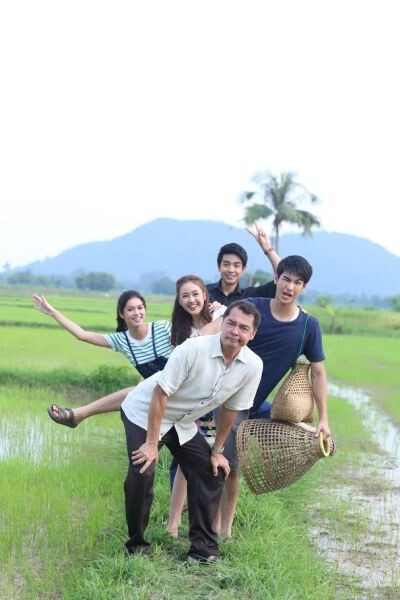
(224,351)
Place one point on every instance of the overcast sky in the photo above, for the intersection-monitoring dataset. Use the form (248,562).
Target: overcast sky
(116,113)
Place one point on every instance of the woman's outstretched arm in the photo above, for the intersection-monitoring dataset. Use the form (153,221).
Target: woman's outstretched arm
(91,337)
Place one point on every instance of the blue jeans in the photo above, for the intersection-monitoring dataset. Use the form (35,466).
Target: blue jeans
(263,412)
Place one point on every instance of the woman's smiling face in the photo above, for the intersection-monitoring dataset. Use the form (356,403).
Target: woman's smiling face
(134,312)
(192,298)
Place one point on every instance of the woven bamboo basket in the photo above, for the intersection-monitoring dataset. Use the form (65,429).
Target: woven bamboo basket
(274,454)
(294,400)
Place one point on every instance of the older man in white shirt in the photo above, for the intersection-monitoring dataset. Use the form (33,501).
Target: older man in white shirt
(201,374)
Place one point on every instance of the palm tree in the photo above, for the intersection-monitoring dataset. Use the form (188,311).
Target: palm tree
(279,197)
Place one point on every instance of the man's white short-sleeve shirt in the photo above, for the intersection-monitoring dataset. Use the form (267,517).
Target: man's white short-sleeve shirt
(196,380)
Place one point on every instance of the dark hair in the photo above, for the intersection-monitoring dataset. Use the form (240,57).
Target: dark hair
(232,249)
(122,301)
(181,320)
(296,265)
(248,308)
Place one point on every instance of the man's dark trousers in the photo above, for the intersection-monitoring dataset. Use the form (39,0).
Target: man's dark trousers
(204,490)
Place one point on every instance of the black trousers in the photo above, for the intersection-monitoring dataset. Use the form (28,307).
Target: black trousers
(204,490)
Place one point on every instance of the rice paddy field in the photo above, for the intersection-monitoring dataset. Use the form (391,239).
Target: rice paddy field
(331,535)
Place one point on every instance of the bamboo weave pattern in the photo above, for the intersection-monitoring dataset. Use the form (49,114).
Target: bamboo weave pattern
(294,400)
(274,454)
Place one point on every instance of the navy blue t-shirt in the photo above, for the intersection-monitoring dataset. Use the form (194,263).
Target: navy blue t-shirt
(267,290)
(278,344)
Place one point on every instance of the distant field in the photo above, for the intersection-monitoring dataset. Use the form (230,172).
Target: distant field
(98,314)
(358,321)
(34,348)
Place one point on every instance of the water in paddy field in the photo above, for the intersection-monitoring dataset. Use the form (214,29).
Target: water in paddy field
(36,439)
(373,556)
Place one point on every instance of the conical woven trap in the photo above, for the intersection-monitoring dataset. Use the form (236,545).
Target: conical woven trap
(294,401)
(273,454)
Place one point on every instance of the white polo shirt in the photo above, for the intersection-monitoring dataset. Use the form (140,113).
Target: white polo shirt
(196,380)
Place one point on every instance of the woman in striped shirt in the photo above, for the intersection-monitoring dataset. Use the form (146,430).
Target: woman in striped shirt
(146,346)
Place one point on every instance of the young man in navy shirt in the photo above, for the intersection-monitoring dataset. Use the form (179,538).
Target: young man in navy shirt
(285,331)
(232,262)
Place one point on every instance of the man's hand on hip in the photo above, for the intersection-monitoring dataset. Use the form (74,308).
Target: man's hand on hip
(147,454)
(219,460)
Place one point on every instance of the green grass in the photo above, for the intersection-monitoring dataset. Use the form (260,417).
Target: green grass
(57,486)
(63,519)
(31,349)
(372,363)
(99,382)
(63,523)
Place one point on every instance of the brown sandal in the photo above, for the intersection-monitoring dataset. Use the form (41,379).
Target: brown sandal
(65,416)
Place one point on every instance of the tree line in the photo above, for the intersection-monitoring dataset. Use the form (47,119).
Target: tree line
(94,280)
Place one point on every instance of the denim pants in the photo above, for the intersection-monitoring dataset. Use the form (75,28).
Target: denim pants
(204,490)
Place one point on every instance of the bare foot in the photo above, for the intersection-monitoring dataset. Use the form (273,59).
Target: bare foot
(173,531)
(225,535)
(173,528)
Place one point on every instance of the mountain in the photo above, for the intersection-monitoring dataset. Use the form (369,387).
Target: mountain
(343,264)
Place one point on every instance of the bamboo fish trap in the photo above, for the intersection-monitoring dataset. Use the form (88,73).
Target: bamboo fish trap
(294,401)
(274,454)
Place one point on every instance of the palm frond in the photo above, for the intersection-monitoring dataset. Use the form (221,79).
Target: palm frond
(255,212)
(246,196)
(307,221)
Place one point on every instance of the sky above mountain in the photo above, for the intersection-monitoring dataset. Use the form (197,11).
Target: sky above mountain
(113,114)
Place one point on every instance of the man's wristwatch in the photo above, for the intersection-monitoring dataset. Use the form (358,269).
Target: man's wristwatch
(217,450)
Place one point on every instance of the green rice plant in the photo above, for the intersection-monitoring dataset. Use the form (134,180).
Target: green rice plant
(103,380)
(57,487)
(372,363)
(63,527)
(36,349)
(61,495)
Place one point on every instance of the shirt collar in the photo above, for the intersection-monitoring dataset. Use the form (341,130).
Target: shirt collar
(237,289)
(216,349)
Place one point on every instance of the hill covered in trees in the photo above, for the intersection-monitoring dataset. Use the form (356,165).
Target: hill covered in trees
(343,264)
